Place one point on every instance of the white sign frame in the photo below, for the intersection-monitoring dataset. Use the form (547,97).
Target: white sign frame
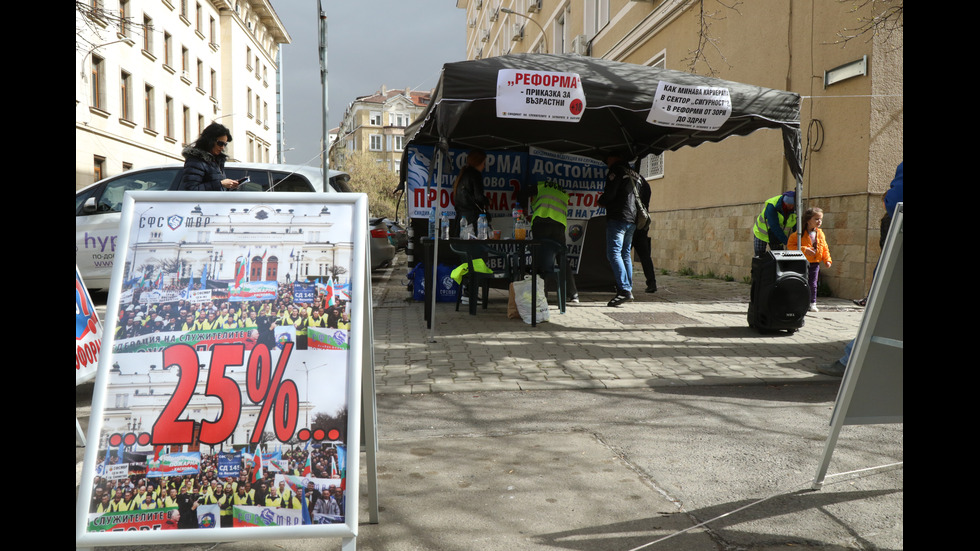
(134,205)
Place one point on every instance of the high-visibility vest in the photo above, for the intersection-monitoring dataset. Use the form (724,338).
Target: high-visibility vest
(761,228)
(550,202)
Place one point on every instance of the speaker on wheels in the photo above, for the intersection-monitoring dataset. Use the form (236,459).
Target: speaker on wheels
(780,295)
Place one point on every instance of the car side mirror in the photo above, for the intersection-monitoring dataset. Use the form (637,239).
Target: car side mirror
(89,207)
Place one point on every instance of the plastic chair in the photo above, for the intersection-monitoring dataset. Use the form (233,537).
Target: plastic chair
(469,251)
(552,260)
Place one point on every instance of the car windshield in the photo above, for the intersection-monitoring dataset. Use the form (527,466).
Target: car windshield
(110,197)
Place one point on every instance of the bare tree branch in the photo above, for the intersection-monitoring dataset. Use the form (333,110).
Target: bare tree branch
(887,17)
(706,40)
(96,22)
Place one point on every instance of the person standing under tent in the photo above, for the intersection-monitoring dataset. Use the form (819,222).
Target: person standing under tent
(549,206)
(619,200)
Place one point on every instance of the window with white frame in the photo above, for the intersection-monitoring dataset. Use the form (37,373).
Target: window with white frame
(125,96)
(168,108)
(147,34)
(376,142)
(559,34)
(652,166)
(148,107)
(168,44)
(397,143)
(596,16)
(98,83)
(375,118)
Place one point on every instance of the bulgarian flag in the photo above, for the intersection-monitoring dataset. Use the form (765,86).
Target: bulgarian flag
(257,472)
(330,293)
(241,272)
(295,484)
(308,468)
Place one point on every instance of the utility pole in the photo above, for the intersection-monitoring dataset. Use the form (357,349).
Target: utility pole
(325,136)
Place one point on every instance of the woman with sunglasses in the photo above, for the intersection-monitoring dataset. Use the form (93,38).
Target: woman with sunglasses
(204,161)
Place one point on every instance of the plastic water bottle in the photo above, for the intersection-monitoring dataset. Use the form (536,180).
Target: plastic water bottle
(432,223)
(482,227)
(463,234)
(445,225)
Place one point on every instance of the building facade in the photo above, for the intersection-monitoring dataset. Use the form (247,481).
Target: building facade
(375,125)
(154,73)
(705,199)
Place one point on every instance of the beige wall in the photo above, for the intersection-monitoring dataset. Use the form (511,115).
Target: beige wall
(705,204)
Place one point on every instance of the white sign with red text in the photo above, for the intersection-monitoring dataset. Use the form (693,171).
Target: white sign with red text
(539,95)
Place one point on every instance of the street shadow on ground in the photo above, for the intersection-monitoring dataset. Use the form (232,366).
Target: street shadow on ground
(816,392)
(636,533)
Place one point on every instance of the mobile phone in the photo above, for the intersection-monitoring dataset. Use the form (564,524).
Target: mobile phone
(243,180)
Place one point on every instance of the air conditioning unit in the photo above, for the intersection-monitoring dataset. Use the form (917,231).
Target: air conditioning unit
(495,14)
(479,4)
(518,32)
(484,35)
(580,45)
(534,6)
(471,23)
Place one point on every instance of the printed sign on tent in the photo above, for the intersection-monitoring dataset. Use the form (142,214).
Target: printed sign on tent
(539,95)
(695,107)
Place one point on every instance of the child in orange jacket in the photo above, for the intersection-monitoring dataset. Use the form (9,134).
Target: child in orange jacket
(814,248)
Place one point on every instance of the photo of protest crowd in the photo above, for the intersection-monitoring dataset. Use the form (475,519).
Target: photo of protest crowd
(279,456)
(147,311)
(303,486)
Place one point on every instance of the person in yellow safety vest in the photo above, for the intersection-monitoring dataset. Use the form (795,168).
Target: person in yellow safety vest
(149,502)
(105,505)
(549,205)
(775,223)
(127,503)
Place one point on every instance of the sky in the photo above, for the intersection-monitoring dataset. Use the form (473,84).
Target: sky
(370,43)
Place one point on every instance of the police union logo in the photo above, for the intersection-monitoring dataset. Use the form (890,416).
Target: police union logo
(175,221)
(206,521)
(268,516)
(447,282)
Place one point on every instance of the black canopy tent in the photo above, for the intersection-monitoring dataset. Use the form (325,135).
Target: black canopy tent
(618,97)
(462,113)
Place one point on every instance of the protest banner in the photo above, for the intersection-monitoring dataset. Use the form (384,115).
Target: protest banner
(88,333)
(204,385)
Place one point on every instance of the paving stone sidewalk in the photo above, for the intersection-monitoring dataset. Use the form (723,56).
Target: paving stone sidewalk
(692,331)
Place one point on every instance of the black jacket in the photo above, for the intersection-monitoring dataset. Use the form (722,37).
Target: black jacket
(470,199)
(202,170)
(619,197)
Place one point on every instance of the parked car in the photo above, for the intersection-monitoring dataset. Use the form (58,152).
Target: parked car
(397,234)
(98,206)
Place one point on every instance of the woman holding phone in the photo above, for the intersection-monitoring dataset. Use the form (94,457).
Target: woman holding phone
(204,162)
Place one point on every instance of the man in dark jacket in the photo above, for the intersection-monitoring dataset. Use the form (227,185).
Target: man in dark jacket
(619,200)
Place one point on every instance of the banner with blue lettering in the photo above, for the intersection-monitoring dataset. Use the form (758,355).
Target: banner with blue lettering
(303,293)
(583,178)
(502,179)
(229,464)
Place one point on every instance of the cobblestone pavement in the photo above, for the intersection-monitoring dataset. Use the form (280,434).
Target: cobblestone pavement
(690,332)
